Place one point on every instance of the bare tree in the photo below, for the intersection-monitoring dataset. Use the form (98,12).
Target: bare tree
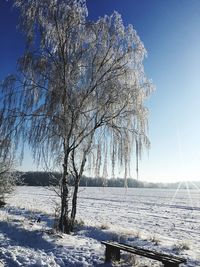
(8,177)
(78,93)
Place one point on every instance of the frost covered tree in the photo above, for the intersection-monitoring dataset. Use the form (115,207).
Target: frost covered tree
(78,96)
(8,178)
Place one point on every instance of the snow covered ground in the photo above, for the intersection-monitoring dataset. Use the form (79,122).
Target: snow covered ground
(163,220)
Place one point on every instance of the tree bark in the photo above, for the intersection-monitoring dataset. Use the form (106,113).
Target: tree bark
(77,177)
(64,223)
(74,202)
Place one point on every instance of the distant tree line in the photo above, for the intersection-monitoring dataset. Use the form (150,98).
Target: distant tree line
(46,179)
(39,178)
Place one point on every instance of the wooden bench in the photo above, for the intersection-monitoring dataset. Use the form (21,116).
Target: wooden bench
(113,253)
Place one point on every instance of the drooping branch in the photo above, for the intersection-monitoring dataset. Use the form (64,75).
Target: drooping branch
(79,84)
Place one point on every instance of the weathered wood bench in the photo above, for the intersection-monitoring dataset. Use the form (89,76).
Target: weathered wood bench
(113,253)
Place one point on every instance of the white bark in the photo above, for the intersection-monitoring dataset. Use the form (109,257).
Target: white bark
(78,84)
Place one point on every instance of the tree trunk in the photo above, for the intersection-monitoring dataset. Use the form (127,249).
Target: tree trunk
(76,185)
(77,177)
(74,202)
(64,223)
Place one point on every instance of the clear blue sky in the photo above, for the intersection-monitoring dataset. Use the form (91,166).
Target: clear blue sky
(170,31)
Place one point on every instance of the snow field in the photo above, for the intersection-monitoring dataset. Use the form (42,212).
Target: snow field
(163,220)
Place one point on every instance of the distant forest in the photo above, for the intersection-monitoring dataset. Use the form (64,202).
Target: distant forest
(47,179)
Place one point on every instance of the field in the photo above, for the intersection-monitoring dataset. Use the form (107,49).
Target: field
(163,220)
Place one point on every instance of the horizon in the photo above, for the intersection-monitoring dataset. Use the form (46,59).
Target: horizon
(156,181)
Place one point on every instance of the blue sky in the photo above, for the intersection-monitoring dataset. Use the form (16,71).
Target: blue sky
(170,31)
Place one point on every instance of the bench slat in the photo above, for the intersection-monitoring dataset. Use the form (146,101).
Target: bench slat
(164,258)
(154,253)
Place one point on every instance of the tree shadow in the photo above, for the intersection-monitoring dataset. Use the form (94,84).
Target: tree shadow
(97,233)
(26,238)
(13,235)
(30,215)
(32,242)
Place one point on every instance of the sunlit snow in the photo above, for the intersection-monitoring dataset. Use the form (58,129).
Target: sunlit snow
(163,220)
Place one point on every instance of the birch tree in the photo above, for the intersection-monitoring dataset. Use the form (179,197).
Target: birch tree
(78,96)
(8,178)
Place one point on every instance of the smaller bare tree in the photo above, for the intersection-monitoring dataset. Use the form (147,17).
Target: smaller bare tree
(8,178)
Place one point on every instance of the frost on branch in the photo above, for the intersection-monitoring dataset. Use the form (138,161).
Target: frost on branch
(78,98)
(8,178)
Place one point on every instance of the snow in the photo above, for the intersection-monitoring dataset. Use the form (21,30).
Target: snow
(163,220)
